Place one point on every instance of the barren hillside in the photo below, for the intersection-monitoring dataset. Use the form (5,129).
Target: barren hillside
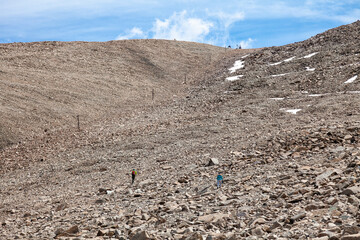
(281,125)
(45,85)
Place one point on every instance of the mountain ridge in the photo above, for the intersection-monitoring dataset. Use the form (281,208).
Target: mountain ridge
(281,125)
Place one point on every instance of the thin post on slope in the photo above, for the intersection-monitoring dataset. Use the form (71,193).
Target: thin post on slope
(78,122)
(185,79)
(152,94)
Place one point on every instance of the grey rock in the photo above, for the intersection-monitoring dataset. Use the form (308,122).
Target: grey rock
(297,217)
(352,190)
(143,235)
(213,162)
(351,237)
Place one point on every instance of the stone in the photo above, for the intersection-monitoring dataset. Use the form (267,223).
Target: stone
(351,237)
(213,162)
(167,167)
(328,234)
(183,180)
(206,218)
(70,232)
(100,201)
(145,217)
(314,206)
(257,232)
(332,200)
(171,206)
(354,200)
(143,235)
(100,233)
(194,236)
(321,238)
(61,207)
(258,221)
(327,174)
(212,217)
(102,191)
(73,229)
(351,229)
(145,182)
(297,217)
(274,226)
(348,137)
(352,190)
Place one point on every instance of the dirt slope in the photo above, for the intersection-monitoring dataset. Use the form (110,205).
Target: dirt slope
(45,85)
(285,134)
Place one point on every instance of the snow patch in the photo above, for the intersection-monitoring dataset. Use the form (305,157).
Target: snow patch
(289,59)
(351,80)
(234,78)
(245,56)
(311,55)
(318,94)
(293,111)
(237,65)
(279,75)
(286,60)
(277,99)
(273,64)
(310,69)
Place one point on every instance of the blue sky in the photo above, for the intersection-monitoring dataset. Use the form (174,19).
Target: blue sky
(249,23)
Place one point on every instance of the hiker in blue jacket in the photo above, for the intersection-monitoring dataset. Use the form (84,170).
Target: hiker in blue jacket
(219,179)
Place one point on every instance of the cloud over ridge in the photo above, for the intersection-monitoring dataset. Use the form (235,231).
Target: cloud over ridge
(181,27)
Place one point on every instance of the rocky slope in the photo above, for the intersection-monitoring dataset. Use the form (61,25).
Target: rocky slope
(282,126)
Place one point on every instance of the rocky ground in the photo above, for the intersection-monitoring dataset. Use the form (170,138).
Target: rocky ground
(282,127)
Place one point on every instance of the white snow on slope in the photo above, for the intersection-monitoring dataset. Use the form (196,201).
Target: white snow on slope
(311,54)
(286,60)
(310,69)
(234,78)
(277,99)
(237,65)
(273,64)
(245,56)
(293,111)
(351,80)
(318,94)
(279,75)
(289,59)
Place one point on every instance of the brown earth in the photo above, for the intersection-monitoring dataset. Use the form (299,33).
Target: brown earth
(45,85)
(286,176)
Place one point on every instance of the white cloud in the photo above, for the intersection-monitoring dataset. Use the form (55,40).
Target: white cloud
(245,44)
(205,21)
(133,33)
(228,18)
(181,27)
(223,20)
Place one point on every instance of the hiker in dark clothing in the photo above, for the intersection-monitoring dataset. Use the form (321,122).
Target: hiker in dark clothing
(133,174)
